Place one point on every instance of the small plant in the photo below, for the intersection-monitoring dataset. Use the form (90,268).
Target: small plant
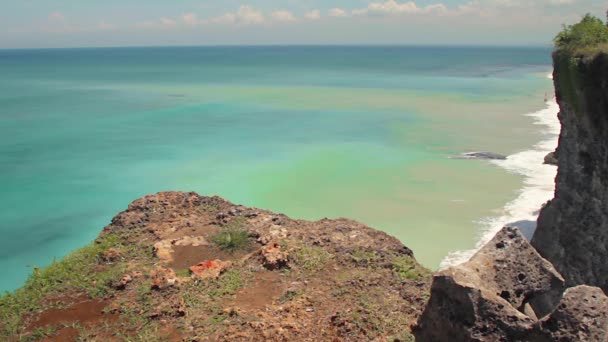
(312,258)
(232,237)
(408,269)
(289,296)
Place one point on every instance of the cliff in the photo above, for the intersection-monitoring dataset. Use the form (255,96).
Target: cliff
(572,229)
(178,266)
(512,290)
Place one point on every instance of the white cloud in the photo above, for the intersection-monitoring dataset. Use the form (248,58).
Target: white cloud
(392,7)
(190,19)
(338,13)
(245,15)
(283,15)
(313,15)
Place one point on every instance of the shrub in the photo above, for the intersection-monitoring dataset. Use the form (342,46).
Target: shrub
(231,238)
(587,35)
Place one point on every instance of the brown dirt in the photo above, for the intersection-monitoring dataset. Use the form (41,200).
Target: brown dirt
(84,313)
(186,256)
(266,287)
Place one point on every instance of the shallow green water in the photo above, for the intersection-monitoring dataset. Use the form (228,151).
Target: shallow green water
(313,132)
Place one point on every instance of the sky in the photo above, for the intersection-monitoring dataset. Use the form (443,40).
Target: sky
(89,23)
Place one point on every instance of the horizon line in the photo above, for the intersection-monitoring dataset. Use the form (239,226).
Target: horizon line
(285,45)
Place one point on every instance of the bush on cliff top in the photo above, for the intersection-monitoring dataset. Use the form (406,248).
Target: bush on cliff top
(588,36)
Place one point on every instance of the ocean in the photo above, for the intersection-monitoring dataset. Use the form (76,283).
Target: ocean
(368,133)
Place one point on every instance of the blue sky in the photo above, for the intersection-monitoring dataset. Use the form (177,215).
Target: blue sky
(79,23)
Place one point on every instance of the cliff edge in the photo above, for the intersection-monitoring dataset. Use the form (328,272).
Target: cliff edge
(182,267)
(572,229)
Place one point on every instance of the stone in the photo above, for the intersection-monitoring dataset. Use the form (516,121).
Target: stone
(164,249)
(485,299)
(274,256)
(122,283)
(551,159)
(582,315)
(163,278)
(111,255)
(482,155)
(209,269)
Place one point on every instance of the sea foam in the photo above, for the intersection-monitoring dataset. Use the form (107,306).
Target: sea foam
(539,186)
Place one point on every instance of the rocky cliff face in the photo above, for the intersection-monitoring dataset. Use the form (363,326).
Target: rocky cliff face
(572,229)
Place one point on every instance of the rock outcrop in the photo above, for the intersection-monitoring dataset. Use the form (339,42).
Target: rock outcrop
(160,272)
(582,315)
(500,294)
(572,229)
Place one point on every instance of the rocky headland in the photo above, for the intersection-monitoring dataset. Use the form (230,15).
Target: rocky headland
(182,267)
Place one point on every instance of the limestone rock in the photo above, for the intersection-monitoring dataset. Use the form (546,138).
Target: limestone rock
(163,278)
(582,315)
(572,230)
(164,249)
(209,269)
(111,255)
(485,299)
(122,283)
(273,256)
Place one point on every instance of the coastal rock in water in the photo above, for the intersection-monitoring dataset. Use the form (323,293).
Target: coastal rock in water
(551,159)
(495,296)
(582,315)
(482,155)
(572,229)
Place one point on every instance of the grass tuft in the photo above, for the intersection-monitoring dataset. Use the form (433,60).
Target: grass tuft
(232,237)
(311,258)
(408,269)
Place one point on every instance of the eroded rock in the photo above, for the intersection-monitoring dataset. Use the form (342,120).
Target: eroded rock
(486,298)
(209,269)
(274,256)
(111,255)
(582,315)
(163,278)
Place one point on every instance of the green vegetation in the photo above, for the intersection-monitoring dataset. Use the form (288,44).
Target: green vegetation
(227,284)
(83,271)
(364,257)
(289,296)
(232,237)
(588,36)
(311,258)
(408,269)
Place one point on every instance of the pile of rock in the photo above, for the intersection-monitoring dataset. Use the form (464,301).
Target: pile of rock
(508,292)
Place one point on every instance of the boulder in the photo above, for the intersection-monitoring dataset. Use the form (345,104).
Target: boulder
(495,296)
(551,159)
(582,315)
(274,256)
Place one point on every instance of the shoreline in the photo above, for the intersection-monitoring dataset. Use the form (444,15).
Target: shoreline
(538,185)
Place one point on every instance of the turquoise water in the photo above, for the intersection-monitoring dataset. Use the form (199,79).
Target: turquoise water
(360,132)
